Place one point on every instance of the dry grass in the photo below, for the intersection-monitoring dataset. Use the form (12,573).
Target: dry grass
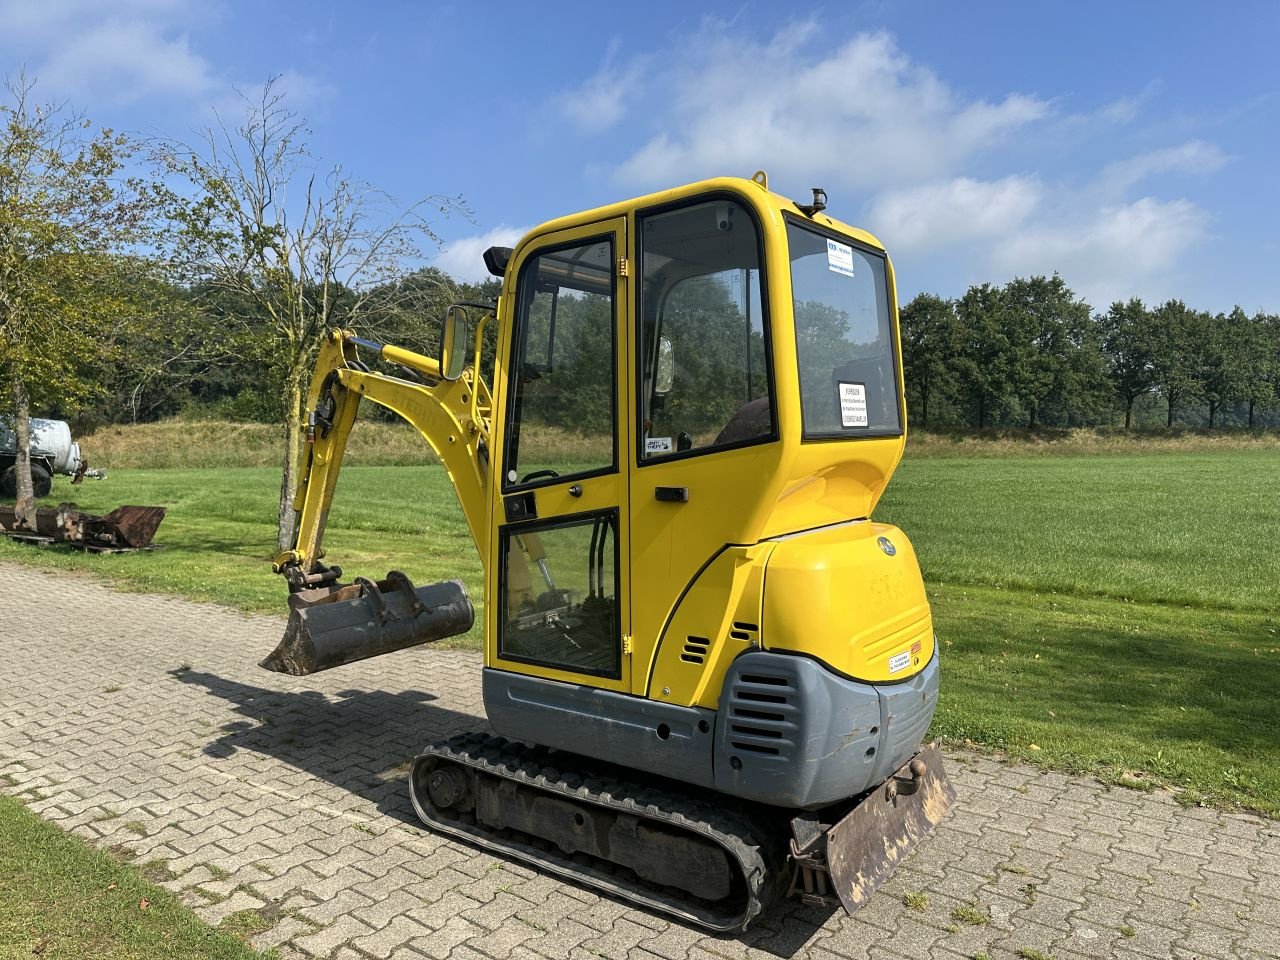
(1091,441)
(187,444)
(215,443)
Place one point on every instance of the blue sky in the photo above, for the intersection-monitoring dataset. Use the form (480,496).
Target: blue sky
(1132,147)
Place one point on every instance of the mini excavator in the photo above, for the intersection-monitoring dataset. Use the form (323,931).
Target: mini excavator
(708,671)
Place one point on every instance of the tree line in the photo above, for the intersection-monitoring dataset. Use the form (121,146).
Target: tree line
(1031,353)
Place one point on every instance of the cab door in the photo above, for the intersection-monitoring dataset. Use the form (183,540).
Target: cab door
(558,565)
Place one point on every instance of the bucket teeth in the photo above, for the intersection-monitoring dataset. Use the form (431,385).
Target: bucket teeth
(366,619)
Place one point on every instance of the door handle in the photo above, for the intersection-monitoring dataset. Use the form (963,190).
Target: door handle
(575,490)
(671,494)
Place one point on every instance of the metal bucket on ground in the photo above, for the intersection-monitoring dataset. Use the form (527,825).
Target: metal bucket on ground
(341,624)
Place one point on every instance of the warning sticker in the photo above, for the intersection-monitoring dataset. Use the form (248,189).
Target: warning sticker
(840,258)
(899,662)
(657,445)
(853,404)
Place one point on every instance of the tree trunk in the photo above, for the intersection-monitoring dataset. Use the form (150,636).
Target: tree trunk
(924,409)
(1251,405)
(982,412)
(292,453)
(25,507)
(1128,413)
(1213,409)
(1031,421)
(1171,403)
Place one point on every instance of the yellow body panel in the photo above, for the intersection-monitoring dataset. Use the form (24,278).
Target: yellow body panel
(716,620)
(852,596)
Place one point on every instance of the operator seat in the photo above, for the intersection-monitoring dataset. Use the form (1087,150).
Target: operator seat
(753,419)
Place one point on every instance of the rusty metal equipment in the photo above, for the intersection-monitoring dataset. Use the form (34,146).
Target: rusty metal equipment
(124,528)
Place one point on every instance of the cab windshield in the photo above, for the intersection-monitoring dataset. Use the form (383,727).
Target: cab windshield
(844,336)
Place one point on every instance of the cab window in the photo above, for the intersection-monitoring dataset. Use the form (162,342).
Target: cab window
(844,336)
(703,347)
(563,409)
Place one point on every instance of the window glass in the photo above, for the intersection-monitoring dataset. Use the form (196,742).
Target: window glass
(844,339)
(562,402)
(704,370)
(561,602)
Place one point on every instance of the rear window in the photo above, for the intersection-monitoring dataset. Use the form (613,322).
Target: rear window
(844,337)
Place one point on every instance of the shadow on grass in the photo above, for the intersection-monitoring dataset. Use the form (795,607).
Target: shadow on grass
(363,742)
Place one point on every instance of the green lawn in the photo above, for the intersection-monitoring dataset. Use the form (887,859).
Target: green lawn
(1110,614)
(61,900)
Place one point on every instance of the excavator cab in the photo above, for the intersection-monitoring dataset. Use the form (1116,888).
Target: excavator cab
(695,405)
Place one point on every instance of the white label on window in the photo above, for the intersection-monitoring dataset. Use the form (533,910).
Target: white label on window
(900,662)
(657,445)
(853,405)
(840,258)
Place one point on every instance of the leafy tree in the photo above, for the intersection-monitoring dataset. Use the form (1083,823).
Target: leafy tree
(66,218)
(930,337)
(1218,358)
(1260,362)
(1126,341)
(1046,329)
(983,359)
(312,252)
(1175,329)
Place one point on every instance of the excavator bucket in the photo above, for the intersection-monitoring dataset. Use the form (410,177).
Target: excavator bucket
(870,841)
(341,624)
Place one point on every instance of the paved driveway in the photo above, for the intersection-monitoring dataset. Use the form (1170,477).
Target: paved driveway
(144,722)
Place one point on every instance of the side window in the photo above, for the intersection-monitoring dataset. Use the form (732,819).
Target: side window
(563,408)
(703,357)
(561,595)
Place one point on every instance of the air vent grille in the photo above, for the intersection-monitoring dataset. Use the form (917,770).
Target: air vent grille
(761,714)
(695,649)
(745,631)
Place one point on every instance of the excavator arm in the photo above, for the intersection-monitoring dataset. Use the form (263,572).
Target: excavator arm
(330,622)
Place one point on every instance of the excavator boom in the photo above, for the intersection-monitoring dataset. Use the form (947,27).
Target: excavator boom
(332,623)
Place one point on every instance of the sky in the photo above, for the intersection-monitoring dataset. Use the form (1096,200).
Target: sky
(1131,147)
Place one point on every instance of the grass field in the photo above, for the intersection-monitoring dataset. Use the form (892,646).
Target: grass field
(1116,615)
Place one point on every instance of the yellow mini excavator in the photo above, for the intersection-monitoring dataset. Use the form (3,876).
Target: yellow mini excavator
(707,670)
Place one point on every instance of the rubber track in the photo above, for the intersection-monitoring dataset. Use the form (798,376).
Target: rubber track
(755,843)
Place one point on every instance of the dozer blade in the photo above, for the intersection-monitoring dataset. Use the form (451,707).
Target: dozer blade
(330,627)
(865,846)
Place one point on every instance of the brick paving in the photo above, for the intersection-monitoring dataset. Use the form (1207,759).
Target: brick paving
(143,723)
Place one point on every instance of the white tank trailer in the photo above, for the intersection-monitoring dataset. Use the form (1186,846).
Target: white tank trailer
(52,452)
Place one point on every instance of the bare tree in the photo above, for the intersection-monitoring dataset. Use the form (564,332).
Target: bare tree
(311,251)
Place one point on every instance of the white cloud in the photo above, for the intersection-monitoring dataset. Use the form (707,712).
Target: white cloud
(983,186)
(602,100)
(120,51)
(860,116)
(954,211)
(463,259)
(1192,157)
(1113,252)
